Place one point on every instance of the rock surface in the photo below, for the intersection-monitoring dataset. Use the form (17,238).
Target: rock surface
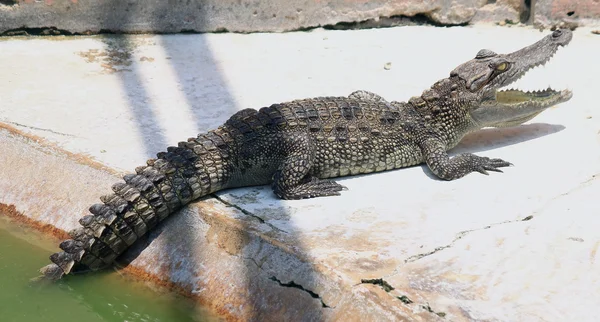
(156,16)
(569,13)
(212,15)
(501,11)
(517,246)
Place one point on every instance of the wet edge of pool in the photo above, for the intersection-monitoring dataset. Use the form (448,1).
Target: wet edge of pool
(10,211)
(47,237)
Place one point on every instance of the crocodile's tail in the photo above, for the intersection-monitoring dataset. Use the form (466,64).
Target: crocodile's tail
(193,169)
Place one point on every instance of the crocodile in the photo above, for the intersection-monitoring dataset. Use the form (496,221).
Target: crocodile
(298,146)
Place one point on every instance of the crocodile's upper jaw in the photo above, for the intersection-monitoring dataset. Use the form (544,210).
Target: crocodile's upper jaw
(489,72)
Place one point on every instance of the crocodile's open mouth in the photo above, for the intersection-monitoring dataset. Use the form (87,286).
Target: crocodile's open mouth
(516,98)
(513,107)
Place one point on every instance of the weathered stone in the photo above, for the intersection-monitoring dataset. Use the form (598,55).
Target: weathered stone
(456,12)
(510,11)
(134,16)
(202,16)
(567,13)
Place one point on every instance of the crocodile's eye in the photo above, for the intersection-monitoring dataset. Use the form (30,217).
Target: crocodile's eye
(502,67)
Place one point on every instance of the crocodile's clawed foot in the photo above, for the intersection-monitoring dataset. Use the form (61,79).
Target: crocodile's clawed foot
(325,185)
(485,164)
(320,188)
(314,188)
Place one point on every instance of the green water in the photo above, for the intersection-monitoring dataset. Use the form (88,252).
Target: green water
(106,296)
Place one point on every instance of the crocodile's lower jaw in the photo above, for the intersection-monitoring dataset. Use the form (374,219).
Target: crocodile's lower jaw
(513,107)
(547,97)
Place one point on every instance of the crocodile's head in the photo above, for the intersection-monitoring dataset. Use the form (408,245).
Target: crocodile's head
(485,75)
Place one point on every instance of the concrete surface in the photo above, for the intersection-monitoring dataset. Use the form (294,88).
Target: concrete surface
(156,16)
(518,246)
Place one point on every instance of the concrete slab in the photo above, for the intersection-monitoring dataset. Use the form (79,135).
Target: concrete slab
(504,247)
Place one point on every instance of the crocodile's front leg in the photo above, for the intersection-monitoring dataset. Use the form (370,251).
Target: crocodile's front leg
(438,161)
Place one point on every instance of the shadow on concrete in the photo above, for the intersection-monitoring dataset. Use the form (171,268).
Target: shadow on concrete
(206,93)
(139,99)
(493,138)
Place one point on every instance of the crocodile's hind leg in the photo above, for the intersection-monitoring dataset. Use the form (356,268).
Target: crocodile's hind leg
(293,180)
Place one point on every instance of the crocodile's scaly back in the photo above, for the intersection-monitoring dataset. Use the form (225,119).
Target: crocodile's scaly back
(249,149)
(298,146)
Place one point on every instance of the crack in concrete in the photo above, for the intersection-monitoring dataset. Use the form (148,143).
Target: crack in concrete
(378,281)
(38,128)
(386,21)
(387,287)
(430,310)
(292,284)
(255,262)
(248,213)
(579,186)
(405,299)
(36,31)
(462,234)
(459,236)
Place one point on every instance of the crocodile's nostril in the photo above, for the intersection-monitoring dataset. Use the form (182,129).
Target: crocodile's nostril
(557,33)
